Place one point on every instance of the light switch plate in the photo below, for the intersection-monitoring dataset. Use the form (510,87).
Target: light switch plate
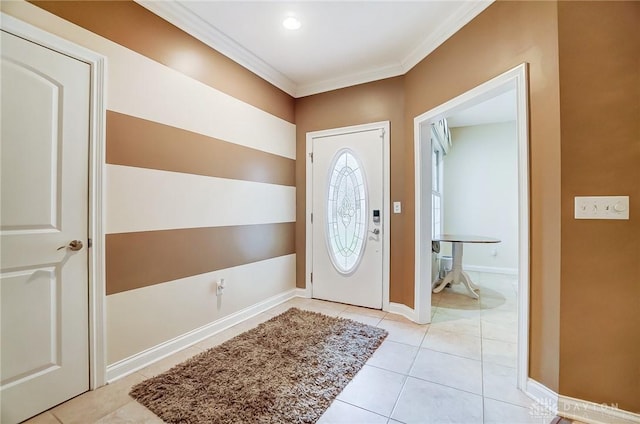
(397,207)
(601,207)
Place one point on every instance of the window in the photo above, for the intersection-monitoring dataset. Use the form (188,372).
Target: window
(346,226)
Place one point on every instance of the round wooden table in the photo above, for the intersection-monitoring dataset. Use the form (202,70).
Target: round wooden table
(457,275)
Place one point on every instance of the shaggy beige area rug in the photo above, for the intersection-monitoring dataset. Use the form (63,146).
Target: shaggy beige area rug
(287,370)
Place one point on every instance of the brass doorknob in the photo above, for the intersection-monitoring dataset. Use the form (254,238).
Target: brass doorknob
(74,245)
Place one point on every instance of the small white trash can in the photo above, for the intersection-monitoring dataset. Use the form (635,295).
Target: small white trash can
(446,262)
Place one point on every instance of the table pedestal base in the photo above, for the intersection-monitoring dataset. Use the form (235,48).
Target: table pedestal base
(457,275)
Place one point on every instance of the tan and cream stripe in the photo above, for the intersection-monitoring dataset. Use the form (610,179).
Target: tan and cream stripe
(140,259)
(169,308)
(200,174)
(132,26)
(146,144)
(161,200)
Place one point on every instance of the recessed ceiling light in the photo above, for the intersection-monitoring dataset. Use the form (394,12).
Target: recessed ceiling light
(292,23)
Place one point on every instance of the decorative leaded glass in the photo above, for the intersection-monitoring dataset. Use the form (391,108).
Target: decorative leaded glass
(346,211)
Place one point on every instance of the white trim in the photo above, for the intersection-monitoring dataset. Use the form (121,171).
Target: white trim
(349,80)
(190,22)
(594,413)
(97,64)
(447,28)
(386,210)
(386,245)
(450,26)
(515,78)
(577,409)
(545,397)
(520,75)
(491,269)
(308,228)
(305,293)
(423,236)
(400,309)
(97,218)
(140,360)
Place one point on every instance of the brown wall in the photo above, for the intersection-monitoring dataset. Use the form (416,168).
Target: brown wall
(502,37)
(141,259)
(361,104)
(130,139)
(599,46)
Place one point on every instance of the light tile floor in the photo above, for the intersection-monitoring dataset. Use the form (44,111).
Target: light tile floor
(460,368)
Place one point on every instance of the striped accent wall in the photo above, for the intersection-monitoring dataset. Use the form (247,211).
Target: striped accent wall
(131,25)
(200,185)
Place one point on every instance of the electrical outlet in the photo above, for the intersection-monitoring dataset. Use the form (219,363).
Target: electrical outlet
(397,207)
(602,207)
(220,287)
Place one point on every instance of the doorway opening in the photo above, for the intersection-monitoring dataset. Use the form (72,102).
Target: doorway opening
(514,80)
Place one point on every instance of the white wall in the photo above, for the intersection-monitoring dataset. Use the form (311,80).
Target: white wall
(481,194)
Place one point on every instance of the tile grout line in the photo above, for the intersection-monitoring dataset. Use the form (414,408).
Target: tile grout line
(395,404)
(453,354)
(482,362)
(407,375)
(355,406)
(447,386)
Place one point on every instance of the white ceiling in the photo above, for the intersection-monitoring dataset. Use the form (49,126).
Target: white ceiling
(501,108)
(341,43)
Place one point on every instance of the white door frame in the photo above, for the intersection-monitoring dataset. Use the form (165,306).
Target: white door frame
(386,219)
(515,78)
(97,116)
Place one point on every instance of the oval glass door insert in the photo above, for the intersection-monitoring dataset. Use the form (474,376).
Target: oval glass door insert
(346,223)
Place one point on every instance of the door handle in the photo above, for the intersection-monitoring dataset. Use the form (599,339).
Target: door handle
(74,245)
(376,231)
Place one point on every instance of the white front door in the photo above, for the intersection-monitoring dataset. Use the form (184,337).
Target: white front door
(44,343)
(348,209)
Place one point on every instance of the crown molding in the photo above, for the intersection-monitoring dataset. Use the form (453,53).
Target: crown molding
(191,23)
(450,26)
(343,81)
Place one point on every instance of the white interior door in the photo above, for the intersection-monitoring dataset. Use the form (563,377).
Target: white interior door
(347,228)
(44,205)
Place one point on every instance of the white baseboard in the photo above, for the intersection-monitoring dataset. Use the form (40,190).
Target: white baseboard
(491,269)
(576,409)
(594,413)
(302,293)
(140,360)
(544,397)
(404,310)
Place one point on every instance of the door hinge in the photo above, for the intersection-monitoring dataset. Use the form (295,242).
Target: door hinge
(312,277)
(89,243)
(383,133)
(311,156)
(312,217)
